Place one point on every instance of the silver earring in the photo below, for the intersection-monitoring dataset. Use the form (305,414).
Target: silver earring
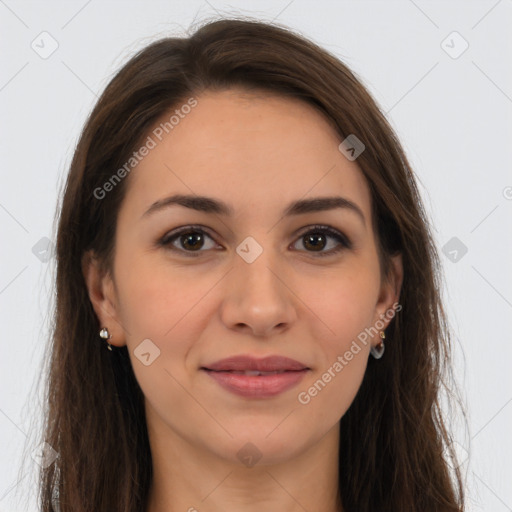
(104,334)
(378,351)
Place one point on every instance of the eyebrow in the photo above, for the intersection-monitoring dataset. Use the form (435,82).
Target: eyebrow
(211,205)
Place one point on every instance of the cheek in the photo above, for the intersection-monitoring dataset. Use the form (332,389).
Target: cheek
(155,302)
(162,308)
(325,399)
(345,307)
(344,301)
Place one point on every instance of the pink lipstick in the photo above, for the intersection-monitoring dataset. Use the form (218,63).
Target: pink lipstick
(251,377)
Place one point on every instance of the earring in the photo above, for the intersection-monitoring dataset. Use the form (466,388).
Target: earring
(378,351)
(104,334)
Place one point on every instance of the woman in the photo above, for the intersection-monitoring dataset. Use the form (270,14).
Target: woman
(247,315)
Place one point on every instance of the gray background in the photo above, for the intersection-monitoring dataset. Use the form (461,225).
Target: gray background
(452,111)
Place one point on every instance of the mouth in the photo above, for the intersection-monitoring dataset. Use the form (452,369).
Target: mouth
(268,365)
(252,377)
(252,373)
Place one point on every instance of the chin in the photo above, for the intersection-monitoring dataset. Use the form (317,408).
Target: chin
(254,446)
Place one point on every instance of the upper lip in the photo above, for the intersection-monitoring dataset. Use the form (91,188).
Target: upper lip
(266,364)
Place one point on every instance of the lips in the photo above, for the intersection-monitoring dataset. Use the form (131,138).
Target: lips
(253,366)
(254,378)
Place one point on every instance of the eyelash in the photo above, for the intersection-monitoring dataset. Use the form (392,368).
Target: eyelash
(344,242)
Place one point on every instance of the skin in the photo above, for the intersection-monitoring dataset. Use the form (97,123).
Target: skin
(257,152)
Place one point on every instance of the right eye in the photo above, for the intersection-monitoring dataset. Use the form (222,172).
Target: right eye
(190,238)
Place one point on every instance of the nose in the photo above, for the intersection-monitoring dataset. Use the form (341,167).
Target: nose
(258,300)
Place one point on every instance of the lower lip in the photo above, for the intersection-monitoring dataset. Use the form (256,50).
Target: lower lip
(257,386)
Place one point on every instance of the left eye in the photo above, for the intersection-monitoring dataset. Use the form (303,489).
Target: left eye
(316,238)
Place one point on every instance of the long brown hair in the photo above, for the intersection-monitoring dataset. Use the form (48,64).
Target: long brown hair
(393,437)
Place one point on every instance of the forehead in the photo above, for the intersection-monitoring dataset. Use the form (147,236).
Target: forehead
(246,148)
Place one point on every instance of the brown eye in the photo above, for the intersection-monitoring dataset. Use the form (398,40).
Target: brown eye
(188,240)
(193,240)
(317,239)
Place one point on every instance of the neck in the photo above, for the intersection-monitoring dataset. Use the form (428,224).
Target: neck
(189,478)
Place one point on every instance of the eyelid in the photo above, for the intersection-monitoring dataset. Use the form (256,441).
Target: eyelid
(343,240)
(335,233)
(175,233)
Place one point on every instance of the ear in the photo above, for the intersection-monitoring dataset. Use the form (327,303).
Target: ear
(102,294)
(389,292)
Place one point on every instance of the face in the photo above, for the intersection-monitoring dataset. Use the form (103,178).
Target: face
(191,287)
